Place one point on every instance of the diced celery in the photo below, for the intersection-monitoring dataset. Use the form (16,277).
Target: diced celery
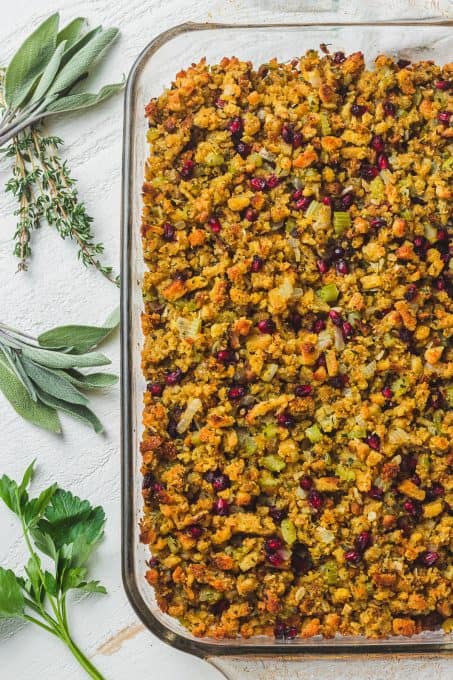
(330,572)
(249,444)
(345,474)
(256,159)
(209,595)
(430,232)
(313,209)
(325,125)
(214,159)
(400,386)
(267,482)
(377,189)
(269,372)
(313,433)
(424,461)
(328,293)
(270,430)
(449,394)
(341,221)
(172,544)
(357,432)
(289,532)
(273,463)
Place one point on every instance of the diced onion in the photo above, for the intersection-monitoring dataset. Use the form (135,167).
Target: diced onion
(324,535)
(193,406)
(324,340)
(339,340)
(369,370)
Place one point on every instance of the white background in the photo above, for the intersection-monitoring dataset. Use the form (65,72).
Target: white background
(58,290)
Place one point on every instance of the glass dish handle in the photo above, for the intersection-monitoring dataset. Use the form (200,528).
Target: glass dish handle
(358,10)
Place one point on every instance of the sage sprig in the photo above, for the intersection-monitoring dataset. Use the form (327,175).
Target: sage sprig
(42,75)
(46,77)
(41,376)
(65,530)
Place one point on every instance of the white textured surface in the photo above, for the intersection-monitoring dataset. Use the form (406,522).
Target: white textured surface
(58,290)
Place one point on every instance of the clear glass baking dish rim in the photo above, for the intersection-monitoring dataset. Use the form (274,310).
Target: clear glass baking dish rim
(206,648)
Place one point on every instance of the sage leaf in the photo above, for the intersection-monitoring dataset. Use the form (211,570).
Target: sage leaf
(82,61)
(49,74)
(92,381)
(54,384)
(30,61)
(16,366)
(12,601)
(52,359)
(79,338)
(81,42)
(77,411)
(83,100)
(35,412)
(70,34)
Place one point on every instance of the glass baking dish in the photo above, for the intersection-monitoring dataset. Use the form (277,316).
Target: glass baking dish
(154,70)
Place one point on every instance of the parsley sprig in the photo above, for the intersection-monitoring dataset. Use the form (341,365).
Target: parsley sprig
(65,530)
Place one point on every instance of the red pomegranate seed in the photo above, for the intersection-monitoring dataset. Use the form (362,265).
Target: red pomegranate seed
(277,514)
(339,57)
(364,540)
(315,499)
(415,479)
(335,317)
(306,483)
(272,181)
(444,117)
(376,493)
(352,556)
(236,393)
(389,109)
(156,389)
(320,361)
(221,507)
(287,133)
(411,292)
(358,110)
(374,441)
(297,140)
(319,325)
(342,267)
(440,283)
(187,170)
(413,508)
(174,377)
(257,263)
(236,126)
(169,232)
(219,103)
(297,194)
(347,330)
(442,84)
(220,482)
(251,215)
(387,392)
(303,203)
(327,200)
(347,200)
(258,184)
(442,235)
(276,559)
(303,390)
(273,544)
(243,149)
(368,172)
(266,326)
(226,357)
(148,480)
(291,632)
(285,420)
(377,223)
(436,490)
(215,225)
(280,630)
(153,562)
(428,558)
(383,162)
(194,530)
(323,266)
(377,143)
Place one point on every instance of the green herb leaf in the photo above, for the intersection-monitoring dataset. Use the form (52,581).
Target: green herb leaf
(50,584)
(34,585)
(79,338)
(93,587)
(84,100)
(17,368)
(12,602)
(52,359)
(82,62)
(35,412)
(53,384)
(77,411)
(69,520)
(70,34)
(30,61)
(9,494)
(36,507)
(79,43)
(92,381)
(49,74)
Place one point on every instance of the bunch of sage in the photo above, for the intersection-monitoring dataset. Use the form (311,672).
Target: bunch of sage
(41,376)
(65,530)
(45,77)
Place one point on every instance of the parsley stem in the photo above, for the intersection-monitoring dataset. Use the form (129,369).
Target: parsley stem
(39,623)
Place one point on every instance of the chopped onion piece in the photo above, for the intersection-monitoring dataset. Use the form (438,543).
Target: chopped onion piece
(193,406)
(339,340)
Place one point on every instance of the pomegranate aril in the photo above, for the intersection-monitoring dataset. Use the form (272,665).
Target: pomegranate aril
(301,561)
(318,326)
(221,507)
(335,317)
(368,172)
(174,377)
(266,326)
(277,514)
(377,223)
(387,392)
(257,263)
(226,357)
(276,559)
(291,632)
(363,541)
(187,170)
(327,200)
(251,215)
(428,558)
(287,133)
(436,490)
(194,531)
(352,556)
(243,149)
(220,482)
(280,631)
(148,480)
(295,321)
(258,183)
(214,224)
(342,267)
(376,493)
(323,266)
(236,126)
(358,110)
(306,483)
(373,441)
(411,292)
(442,235)
(156,389)
(169,232)
(272,181)
(378,143)
(273,544)
(297,140)
(444,117)
(339,57)
(347,330)
(285,420)
(442,84)
(303,203)
(297,194)
(315,499)
(237,392)
(383,162)
(389,109)
(347,200)
(303,390)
